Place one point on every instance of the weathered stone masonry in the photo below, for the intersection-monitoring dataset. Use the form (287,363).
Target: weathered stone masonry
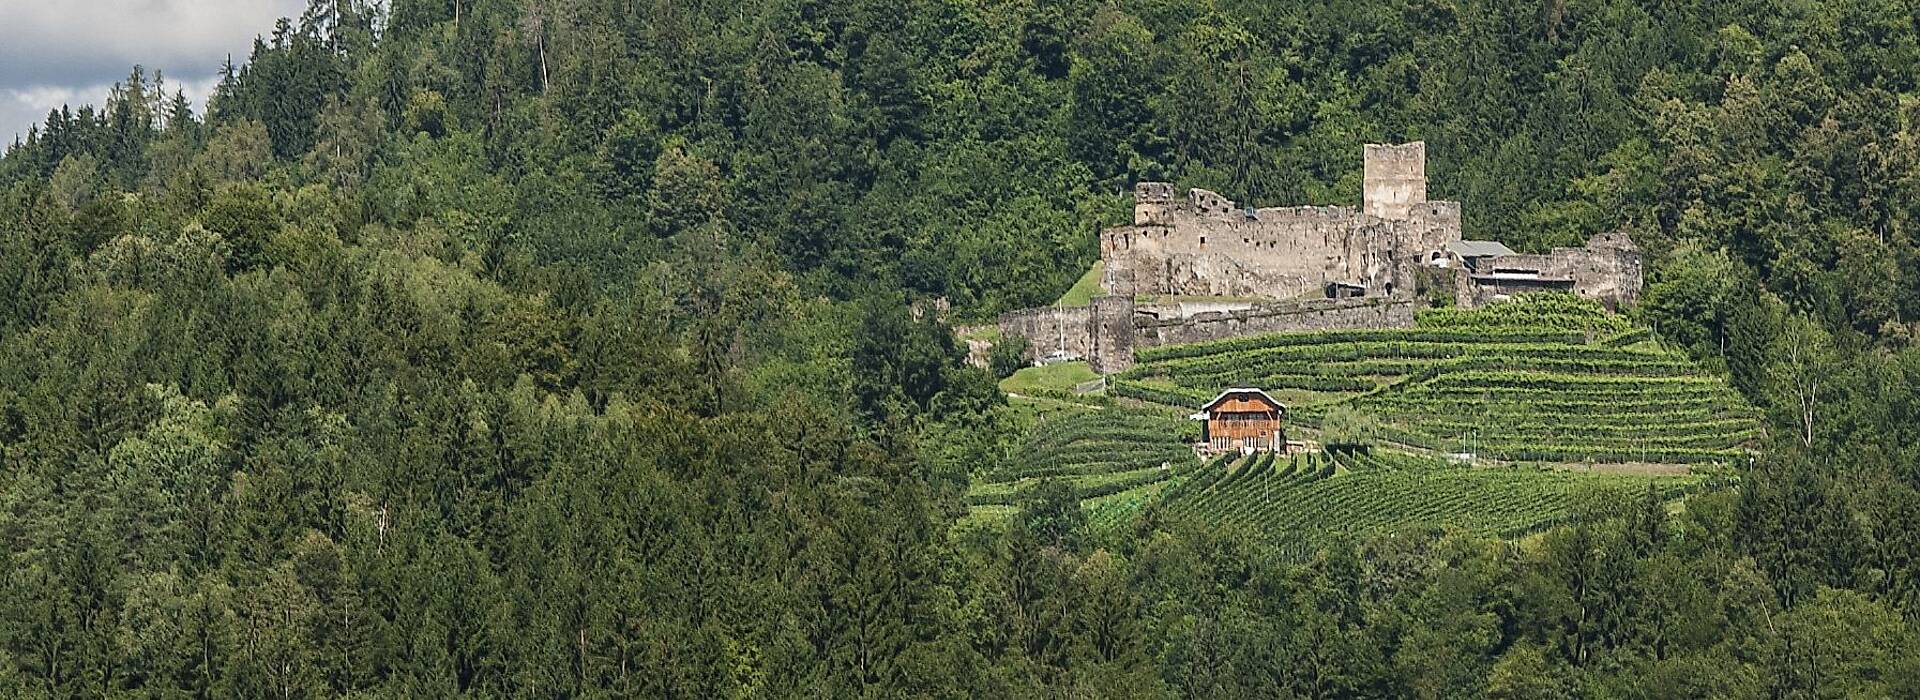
(1608,269)
(1207,245)
(1373,257)
(1300,315)
(1107,332)
(1052,329)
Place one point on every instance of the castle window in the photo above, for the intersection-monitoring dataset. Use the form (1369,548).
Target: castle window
(1203,240)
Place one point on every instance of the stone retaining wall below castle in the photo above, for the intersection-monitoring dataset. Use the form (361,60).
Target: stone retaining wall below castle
(1106,332)
(1051,329)
(1274,317)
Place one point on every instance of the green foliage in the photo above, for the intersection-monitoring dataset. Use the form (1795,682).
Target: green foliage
(1008,356)
(1051,514)
(1344,425)
(570,348)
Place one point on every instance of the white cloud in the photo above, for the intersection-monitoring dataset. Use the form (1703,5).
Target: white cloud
(23,108)
(54,53)
(42,42)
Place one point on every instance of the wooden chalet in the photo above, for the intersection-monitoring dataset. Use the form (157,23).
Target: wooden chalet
(1244,420)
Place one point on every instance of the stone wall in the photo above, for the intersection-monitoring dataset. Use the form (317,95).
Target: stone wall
(1112,327)
(1301,315)
(1107,332)
(1204,248)
(977,348)
(1051,329)
(1204,244)
(1609,269)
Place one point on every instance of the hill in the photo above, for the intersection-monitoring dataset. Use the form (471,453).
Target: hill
(598,348)
(1549,396)
(1543,378)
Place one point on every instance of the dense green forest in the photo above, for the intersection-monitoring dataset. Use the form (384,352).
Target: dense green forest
(592,348)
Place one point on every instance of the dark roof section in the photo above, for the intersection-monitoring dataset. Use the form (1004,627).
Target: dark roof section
(1242,390)
(1478,249)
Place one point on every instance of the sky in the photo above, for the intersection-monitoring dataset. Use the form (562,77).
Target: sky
(55,52)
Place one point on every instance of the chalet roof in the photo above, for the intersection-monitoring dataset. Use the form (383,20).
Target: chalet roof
(1478,249)
(1204,409)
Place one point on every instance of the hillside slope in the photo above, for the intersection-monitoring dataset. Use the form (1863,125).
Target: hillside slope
(1543,378)
(1547,398)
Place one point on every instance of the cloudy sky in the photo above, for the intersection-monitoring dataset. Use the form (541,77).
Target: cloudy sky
(55,52)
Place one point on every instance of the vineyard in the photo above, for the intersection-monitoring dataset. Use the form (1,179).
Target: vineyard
(1523,390)
(1548,378)
(1308,497)
(1115,458)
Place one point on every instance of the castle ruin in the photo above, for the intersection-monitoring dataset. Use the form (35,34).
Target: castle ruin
(1207,245)
(1199,266)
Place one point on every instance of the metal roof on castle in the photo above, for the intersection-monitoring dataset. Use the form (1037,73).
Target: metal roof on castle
(1478,249)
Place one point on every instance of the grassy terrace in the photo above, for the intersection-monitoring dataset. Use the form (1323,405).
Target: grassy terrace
(1084,289)
(1050,378)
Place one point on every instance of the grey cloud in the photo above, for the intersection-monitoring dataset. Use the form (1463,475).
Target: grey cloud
(54,52)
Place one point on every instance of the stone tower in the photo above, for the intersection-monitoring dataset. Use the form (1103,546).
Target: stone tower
(1153,204)
(1110,323)
(1396,179)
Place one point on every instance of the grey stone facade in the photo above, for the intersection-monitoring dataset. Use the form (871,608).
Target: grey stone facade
(1204,244)
(1107,332)
(1293,260)
(1608,269)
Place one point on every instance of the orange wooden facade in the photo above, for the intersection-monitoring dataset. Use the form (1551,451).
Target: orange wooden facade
(1244,420)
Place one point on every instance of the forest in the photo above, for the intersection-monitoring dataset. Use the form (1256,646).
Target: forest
(603,348)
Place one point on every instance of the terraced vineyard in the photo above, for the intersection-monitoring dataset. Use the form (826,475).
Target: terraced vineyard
(1115,458)
(1529,387)
(1306,498)
(1541,378)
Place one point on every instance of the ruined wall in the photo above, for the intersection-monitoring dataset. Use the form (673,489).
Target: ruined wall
(1204,244)
(1208,246)
(1051,328)
(1608,269)
(1111,325)
(1612,270)
(1300,315)
(1107,332)
(978,349)
(1394,179)
(1428,227)
(1153,204)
